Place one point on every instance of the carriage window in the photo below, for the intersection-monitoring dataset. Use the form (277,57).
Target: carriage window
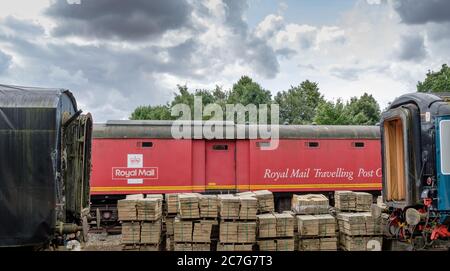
(312,144)
(358,144)
(220,147)
(146,144)
(445,146)
(263,144)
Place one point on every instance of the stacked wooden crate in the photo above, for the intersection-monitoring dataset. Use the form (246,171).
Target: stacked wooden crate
(149,212)
(131,235)
(353,201)
(296,236)
(316,232)
(363,201)
(209,205)
(237,222)
(209,214)
(345,201)
(188,206)
(356,224)
(141,222)
(149,209)
(192,235)
(131,228)
(229,206)
(267,232)
(310,204)
(193,226)
(171,210)
(357,229)
(285,232)
(327,232)
(275,232)
(266,201)
(248,208)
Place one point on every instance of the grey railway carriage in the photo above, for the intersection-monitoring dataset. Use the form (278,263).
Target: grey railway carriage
(45,150)
(415,132)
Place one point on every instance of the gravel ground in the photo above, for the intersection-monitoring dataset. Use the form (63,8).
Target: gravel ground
(103,242)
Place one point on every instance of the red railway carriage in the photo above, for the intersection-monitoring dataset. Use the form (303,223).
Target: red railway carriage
(142,157)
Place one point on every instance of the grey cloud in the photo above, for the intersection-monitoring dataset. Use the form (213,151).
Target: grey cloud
(286,52)
(411,48)
(112,19)
(438,32)
(234,11)
(306,41)
(420,11)
(262,57)
(21,26)
(250,48)
(354,71)
(351,74)
(109,82)
(307,66)
(5,61)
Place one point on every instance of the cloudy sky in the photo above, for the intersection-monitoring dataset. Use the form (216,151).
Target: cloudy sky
(115,57)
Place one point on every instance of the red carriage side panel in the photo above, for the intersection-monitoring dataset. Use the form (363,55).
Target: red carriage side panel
(198,165)
(243,165)
(129,166)
(316,165)
(220,164)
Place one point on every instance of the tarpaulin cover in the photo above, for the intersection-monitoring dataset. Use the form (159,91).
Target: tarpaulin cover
(29,132)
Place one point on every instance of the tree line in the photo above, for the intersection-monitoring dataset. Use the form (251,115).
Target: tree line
(301,104)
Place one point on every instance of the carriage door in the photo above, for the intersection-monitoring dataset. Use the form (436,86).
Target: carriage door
(443,162)
(220,165)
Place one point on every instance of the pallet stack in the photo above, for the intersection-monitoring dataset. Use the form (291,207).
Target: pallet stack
(188,206)
(266,201)
(193,225)
(267,232)
(209,205)
(285,232)
(171,210)
(248,208)
(229,206)
(237,222)
(353,201)
(316,229)
(209,214)
(357,229)
(275,232)
(295,237)
(316,232)
(310,204)
(141,222)
(356,224)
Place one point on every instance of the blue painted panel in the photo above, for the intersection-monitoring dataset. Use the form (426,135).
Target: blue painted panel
(442,162)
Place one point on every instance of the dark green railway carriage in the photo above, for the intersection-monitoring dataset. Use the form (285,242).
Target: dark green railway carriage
(45,147)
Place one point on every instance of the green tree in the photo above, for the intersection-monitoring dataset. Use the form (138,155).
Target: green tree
(358,111)
(245,91)
(363,111)
(148,112)
(436,81)
(183,97)
(186,97)
(330,113)
(298,104)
